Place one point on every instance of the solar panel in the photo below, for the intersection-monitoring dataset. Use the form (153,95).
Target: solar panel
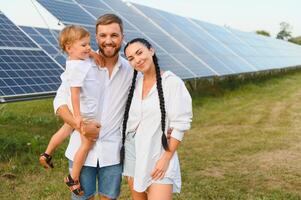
(65,12)
(206,48)
(26,71)
(255,49)
(10,36)
(47,39)
(68,12)
(280,53)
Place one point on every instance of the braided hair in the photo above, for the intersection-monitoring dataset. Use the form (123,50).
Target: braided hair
(130,97)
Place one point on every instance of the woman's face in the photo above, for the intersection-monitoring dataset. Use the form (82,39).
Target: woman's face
(140,57)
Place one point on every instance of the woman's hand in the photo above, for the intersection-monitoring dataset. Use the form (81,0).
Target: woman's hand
(161,166)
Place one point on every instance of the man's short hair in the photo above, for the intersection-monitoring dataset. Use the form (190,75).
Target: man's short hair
(107,19)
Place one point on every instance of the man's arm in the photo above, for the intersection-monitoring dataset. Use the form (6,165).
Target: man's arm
(89,130)
(65,114)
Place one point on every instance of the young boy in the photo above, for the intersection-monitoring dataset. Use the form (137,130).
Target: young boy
(82,76)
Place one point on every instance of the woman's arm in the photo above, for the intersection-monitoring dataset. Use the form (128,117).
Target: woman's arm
(179,115)
(163,162)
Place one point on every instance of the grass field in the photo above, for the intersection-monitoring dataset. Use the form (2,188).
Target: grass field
(244,144)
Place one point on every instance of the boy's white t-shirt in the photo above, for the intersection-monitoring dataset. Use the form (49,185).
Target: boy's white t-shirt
(84,74)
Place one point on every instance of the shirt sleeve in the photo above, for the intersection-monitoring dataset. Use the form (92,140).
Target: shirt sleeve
(61,97)
(77,74)
(180,113)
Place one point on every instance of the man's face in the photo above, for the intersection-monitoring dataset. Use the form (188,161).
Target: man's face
(109,39)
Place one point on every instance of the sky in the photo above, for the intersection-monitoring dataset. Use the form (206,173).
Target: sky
(245,15)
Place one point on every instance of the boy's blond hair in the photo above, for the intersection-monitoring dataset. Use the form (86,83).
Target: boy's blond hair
(70,34)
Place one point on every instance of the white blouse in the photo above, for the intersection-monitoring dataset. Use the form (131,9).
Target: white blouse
(145,115)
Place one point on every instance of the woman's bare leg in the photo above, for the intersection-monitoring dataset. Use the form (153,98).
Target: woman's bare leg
(159,191)
(135,195)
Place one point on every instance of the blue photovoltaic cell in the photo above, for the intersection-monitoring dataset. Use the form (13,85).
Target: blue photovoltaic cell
(47,39)
(25,69)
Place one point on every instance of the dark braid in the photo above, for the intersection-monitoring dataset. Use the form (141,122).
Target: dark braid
(162,102)
(126,115)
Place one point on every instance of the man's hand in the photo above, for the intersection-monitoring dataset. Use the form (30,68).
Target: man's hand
(90,129)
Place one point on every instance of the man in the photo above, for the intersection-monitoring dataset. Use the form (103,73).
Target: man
(103,161)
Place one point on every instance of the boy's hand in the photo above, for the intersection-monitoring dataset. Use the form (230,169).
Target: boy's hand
(99,60)
(78,122)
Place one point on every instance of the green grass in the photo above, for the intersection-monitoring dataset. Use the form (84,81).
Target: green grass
(244,144)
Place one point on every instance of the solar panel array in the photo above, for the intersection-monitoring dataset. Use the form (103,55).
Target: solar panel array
(169,52)
(222,47)
(26,71)
(188,47)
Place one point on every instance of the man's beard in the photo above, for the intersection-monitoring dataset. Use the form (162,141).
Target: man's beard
(109,56)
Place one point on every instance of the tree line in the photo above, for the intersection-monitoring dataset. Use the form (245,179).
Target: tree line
(285,33)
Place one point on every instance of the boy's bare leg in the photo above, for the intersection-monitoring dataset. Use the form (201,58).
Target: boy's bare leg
(80,157)
(58,138)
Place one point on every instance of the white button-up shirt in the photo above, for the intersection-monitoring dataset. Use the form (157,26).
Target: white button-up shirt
(111,104)
(145,118)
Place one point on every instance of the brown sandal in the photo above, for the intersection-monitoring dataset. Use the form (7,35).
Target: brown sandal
(45,160)
(74,186)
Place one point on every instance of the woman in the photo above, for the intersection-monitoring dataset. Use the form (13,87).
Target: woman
(160,100)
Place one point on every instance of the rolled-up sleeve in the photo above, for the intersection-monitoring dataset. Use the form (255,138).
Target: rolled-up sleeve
(180,112)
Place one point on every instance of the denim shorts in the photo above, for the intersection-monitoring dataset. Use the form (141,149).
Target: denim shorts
(130,159)
(108,178)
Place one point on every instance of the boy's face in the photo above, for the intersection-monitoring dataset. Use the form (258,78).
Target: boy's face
(80,49)
(109,39)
